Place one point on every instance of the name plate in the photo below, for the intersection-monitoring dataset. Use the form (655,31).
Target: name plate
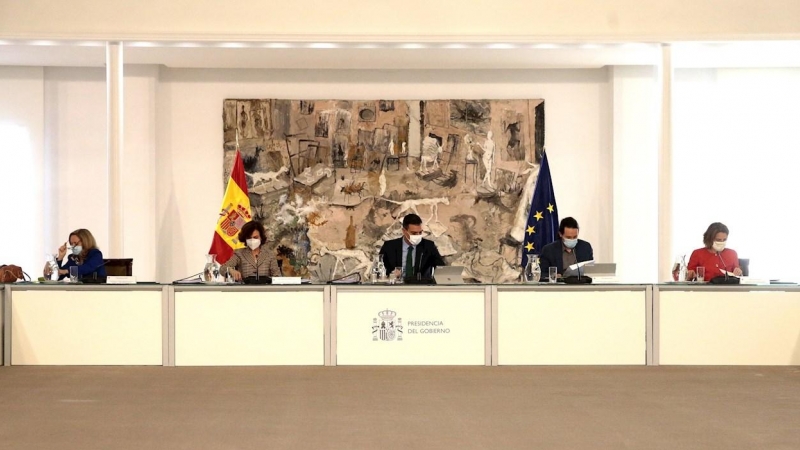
(286,280)
(120,280)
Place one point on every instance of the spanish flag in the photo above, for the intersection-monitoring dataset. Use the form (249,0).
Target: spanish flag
(234,214)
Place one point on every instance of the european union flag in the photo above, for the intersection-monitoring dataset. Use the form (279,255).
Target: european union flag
(542,227)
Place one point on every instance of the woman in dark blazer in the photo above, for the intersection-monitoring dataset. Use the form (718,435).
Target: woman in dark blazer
(83,253)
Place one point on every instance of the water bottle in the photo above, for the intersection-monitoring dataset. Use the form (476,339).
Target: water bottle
(376,270)
(532,271)
(381,270)
(51,262)
(211,270)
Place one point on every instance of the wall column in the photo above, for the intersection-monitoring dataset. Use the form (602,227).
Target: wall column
(115,136)
(665,256)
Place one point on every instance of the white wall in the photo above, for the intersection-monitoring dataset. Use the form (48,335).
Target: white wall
(736,150)
(189,183)
(646,20)
(21,161)
(173,146)
(139,185)
(76,162)
(635,228)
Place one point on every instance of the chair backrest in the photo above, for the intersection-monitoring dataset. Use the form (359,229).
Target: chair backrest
(119,267)
(744,264)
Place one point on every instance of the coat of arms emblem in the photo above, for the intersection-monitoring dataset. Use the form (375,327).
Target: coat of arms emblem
(387,326)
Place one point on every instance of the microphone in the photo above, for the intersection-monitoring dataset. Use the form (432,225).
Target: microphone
(190,277)
(726,279)
(580,279)
(724,267)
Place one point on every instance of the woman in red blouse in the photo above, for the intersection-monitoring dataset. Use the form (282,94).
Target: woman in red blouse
(714,256)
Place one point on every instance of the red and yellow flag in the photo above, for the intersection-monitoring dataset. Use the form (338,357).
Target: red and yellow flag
(234,214)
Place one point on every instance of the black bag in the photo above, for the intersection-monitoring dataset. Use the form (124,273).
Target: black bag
(573,279)
(722,279)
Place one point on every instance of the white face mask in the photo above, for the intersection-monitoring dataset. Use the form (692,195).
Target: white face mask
(253,243)
(718,246)
(415,239)
(77,250)
(570,243)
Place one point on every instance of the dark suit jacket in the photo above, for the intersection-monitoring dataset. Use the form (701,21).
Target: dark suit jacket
(552,255)
(426,256)
(92,264)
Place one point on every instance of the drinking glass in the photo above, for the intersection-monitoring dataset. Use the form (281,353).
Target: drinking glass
(701,273)
(73,274)
(552,274)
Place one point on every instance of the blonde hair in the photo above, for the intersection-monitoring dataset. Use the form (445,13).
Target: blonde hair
(87,241)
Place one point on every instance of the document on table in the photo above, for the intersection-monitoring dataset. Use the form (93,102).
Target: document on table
(725,272)
(581,264)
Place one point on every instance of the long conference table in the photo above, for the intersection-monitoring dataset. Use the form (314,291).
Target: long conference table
(473,324)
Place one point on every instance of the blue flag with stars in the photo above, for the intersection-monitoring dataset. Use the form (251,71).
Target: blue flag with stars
(542,227)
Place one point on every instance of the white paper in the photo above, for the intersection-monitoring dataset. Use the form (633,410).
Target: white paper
(725,272)
(754,281)
(581,264)
(285,280)
(111,279)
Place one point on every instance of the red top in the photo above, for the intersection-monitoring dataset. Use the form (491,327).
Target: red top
(727,260)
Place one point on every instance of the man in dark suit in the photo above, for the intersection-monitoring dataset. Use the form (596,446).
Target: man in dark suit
(411,254)
(566,251)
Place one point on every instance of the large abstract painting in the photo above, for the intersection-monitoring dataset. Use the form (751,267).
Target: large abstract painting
(332,179)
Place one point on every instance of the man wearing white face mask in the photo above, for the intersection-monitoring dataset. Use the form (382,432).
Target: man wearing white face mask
(566,251)
(411,255)
(714,256)
(255,261)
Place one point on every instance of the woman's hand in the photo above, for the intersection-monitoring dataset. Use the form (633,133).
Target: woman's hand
(690,275)
(737,271)
(63,272)
(237,276)
(62,251)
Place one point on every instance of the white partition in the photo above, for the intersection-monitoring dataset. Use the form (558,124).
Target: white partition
(410,325)
(570,325)
(86,325)
(729,325)
(249,325)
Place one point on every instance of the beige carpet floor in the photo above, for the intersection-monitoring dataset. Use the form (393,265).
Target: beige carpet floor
(399,408)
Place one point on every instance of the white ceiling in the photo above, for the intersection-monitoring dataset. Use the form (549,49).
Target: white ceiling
(343,56)
(394,56)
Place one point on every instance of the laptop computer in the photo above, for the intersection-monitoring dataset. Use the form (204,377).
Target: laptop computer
(448,275)
(600,270)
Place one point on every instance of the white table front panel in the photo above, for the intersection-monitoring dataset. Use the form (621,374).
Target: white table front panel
(224,328)
(82,327)
(431,327)
(545,327)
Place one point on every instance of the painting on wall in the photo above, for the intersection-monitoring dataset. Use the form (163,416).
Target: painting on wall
(331,180)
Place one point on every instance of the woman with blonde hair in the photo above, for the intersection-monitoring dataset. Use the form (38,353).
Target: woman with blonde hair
(83,253)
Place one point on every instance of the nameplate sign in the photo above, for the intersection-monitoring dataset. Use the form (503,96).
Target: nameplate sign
(286,280)
(120,280)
